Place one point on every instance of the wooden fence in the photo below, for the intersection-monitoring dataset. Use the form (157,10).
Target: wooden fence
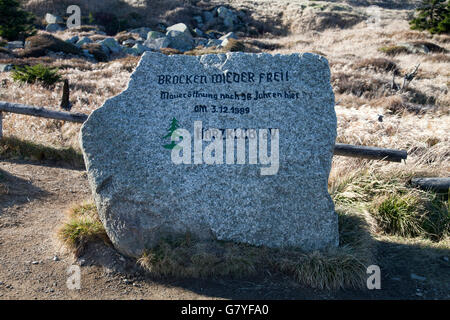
(340,149)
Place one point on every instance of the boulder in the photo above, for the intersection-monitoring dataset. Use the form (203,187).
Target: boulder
(208,16)
(96,51)
(112,45)
(199,33)
(180,40)
(213,43)
(142,32)
(200,42)
(157,43)
(229,35)
(53,27)
(73,40)
(83,41)
(151,185)
(6,67)
(180,27)
(139,49)
(228,17)
(53,19)
(129,43)
(155,35)
(198,20)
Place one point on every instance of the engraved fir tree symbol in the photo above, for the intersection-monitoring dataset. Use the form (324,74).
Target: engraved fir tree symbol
(173,126)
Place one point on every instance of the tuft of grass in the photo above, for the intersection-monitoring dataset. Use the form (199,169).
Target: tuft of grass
(397,208)
(82,228)
(37,73)
(393,50)
(14,148)
(399,215)
(170,51)
(342,267)
(200,50)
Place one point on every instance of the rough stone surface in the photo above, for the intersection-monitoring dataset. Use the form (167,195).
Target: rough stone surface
(73,40)
(181,27)
(51,18)
(53,27)
(111,44)
(155,35)
(6,67)
(157,43)
(142,32)
(229,35)
(142,195)
(83,41)
(139,49)
(180,40)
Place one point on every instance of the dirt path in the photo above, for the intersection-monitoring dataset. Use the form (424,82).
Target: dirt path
(34,206)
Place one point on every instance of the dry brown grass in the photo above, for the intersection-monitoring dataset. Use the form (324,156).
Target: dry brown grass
(342,267)
(377,65)
(81,228)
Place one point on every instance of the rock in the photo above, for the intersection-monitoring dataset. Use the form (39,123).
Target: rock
(146,190)
(96,51)
(111,44)
(200,42)
(229,35)
(213,43)
(415,48)
(83,41)
(142,32)
(232,45)
(40,44)
(180,40)
(55,258)
(228,17)
(155,35)
(53,27)
(53,19)
(207,16)
(73,40)
(180,27)
(11,45)
(213,34)
(139,49)
(198,20)
(87,54)
(199,33)
(417,277)
(157,43)
(129,43)
(6,67)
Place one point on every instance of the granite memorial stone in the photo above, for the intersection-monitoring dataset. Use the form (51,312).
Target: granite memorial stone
(232,146)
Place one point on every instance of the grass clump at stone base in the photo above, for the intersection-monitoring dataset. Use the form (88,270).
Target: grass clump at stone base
(342,267)
(398,209)
(16,149)
(82,228)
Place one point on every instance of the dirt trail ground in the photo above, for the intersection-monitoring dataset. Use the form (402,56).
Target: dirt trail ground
(33,207)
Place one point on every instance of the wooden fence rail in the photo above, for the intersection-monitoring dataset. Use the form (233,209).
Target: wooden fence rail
(340,149)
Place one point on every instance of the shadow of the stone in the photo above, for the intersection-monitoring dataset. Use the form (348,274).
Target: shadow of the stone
(15,191)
